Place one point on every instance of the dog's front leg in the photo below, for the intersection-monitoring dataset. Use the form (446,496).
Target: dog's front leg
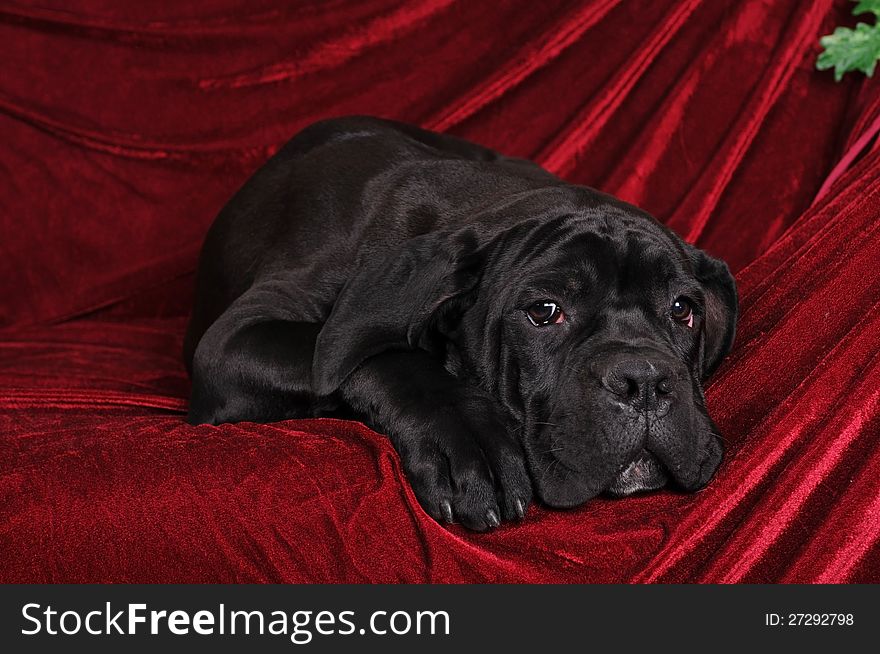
(462,458)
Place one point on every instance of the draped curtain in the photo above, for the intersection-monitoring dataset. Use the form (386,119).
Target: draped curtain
(125,127)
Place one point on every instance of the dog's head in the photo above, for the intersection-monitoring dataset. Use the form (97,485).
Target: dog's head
(594,327)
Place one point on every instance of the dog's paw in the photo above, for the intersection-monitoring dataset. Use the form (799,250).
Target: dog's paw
(466,466)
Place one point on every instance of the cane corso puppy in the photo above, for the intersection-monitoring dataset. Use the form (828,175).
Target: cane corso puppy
(514,335)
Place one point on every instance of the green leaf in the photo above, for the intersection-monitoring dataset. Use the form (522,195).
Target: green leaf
(847,49)
(866,6)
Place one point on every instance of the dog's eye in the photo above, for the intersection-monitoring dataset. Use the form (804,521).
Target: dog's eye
(683,311)
(545,313)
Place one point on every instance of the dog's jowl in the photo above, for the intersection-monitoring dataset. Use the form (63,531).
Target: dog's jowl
(517,337)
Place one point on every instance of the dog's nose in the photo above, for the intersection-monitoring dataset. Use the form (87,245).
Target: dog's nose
(640,381)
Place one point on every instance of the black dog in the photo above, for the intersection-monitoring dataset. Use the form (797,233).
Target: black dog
(507,330)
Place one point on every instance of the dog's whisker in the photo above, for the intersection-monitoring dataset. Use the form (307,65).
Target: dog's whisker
(552,449)
(719,437)
(546,468)
(553,464)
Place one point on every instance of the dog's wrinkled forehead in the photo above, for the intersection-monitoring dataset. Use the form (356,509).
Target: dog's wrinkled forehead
(628,258)
(623,253)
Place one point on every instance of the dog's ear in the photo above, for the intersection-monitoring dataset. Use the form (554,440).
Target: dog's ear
(722,309)
(388,303)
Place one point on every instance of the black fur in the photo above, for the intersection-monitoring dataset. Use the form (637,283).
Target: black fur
(375,270)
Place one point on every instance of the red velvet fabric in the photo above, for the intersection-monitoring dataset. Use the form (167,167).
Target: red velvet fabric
(126,126)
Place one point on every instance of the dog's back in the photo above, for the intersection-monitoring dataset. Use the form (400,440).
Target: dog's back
(339,190)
